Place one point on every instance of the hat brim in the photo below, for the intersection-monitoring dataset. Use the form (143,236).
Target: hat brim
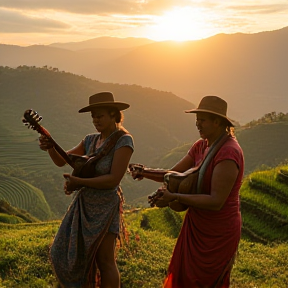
(211,112)
(120,105)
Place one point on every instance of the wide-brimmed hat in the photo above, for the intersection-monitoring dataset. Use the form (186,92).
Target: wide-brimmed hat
(214,105)
(103,99)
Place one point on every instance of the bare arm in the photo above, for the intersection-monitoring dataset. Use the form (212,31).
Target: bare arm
(108,181)
(223,178)
(46,145)
(184,164)
(158,174)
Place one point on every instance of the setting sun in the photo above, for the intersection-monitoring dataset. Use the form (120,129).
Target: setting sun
(181,24)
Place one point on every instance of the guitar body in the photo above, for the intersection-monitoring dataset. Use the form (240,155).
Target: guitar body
(176,182)
(84,166)
(183,183)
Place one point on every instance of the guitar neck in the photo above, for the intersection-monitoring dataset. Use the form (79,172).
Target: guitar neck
(154,174)
(57,147)
(63,154)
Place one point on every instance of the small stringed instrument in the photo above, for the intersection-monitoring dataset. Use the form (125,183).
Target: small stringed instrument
(176,182)
(188,182)
(83,166)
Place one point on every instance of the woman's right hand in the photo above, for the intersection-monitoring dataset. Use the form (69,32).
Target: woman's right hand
(136,170)
(45,143)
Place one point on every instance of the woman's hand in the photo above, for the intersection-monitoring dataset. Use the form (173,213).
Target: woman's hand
(161,198)
(167,196)
(45,143)
(136,170)
(70,184)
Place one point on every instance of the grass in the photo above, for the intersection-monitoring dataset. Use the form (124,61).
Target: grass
(24,255)
(264,206)
(142,262)
(261,266)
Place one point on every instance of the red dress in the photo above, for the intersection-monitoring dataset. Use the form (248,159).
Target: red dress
(208,239)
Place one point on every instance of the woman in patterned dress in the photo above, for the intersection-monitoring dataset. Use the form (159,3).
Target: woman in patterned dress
(83,251)
(207,244)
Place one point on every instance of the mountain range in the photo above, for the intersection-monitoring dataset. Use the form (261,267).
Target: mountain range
(247,70)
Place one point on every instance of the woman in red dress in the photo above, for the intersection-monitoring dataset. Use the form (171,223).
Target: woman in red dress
(205,250)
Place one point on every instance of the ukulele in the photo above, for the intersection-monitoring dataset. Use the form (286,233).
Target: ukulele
(176,182)
(83,166)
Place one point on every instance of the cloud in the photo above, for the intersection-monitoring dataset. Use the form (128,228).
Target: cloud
(34,16)
(97,7)
(75,19)
(15,22)
(261,9)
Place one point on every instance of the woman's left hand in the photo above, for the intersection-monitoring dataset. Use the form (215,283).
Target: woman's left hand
(167,196)
(163,197)
(70,184)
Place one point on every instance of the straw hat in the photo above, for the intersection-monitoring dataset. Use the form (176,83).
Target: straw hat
(214,105)
(103,99)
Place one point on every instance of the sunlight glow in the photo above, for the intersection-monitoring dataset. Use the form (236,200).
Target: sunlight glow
(181,24)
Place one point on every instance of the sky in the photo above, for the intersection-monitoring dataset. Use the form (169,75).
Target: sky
(29,22)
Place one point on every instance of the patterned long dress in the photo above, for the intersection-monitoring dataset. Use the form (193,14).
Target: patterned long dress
(92,213)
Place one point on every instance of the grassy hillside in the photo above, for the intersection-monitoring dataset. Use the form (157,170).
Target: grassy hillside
(142,262)
(264,202)
(13,215)
(24,196)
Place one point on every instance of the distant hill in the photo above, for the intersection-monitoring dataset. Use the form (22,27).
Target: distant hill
(104,43)
(248,70)
(264,145)
(156,120)
(162,132)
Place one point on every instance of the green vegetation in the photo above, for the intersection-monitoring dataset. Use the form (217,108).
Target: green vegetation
(14,215)
(24,255)
(264,201)
(24,196)
(30,181)
(271,117)
(142,261)
(264,145)
(152,233)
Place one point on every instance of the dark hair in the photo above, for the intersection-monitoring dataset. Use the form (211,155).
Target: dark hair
(115,112)
(224,123)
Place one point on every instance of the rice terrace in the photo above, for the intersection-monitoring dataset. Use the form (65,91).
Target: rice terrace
(32,202)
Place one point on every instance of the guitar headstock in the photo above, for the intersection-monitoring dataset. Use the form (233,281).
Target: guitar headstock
(32,119)
(132,167)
